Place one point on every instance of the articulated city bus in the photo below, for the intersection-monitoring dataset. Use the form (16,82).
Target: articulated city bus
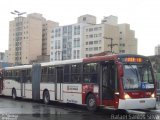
(114,81)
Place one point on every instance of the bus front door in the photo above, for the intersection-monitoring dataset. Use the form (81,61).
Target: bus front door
(58,84)
(107,81)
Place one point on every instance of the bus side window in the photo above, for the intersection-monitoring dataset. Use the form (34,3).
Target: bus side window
(76,73)
(51,74)
(67,73)
(44,72)
(90,73)
(28,75)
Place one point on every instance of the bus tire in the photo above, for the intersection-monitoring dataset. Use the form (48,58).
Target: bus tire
(91,103)
(46,97)
(14,94)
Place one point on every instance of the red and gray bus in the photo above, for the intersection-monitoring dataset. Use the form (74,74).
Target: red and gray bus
(121,81)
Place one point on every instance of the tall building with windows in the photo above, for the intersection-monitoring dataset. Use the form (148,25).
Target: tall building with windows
(97,39)
(25,38)
(157,50)
(67,41)
(127,40)
(109,36)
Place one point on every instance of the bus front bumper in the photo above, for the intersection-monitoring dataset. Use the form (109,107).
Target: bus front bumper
(142,103)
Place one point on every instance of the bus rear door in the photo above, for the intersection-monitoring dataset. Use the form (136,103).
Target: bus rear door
(23,80)
(58,84)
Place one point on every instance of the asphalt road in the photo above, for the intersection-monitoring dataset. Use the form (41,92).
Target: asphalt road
(29,110)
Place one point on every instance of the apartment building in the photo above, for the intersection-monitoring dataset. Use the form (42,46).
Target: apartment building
(157,50)
(127,40)
(25,38)
(97,39)
(67,42)
(109,36)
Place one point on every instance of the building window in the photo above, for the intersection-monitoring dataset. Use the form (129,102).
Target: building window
(84,18)
(90,42)
(74,54)
(96,28)
(76,42)
(77,30)
(65,30)
(95,35)
(90,29)
(95,42)
(90,49)
(78,54)
(91,36)
(95,48)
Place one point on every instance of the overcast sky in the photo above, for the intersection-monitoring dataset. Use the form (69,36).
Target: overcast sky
(142,15)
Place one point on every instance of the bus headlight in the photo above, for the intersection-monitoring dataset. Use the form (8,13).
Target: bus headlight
(153,95)
(126,96)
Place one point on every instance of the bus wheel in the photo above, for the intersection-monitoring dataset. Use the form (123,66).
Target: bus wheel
(91,102)
(46,97)
(14,94)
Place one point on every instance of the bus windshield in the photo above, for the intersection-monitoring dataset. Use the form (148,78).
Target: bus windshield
(137,76)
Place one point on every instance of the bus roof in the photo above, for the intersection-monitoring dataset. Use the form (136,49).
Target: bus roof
(62,62)
(84,60)
(18,67)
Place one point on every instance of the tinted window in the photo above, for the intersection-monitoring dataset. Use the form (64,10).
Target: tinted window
(90,73)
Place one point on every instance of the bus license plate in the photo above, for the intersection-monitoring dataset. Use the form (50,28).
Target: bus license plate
(142,101)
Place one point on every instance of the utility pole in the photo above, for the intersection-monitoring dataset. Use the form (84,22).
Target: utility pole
(111,45)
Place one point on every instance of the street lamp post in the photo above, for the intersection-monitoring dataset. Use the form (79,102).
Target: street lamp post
(111,45)
(18,13)
(18,36)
